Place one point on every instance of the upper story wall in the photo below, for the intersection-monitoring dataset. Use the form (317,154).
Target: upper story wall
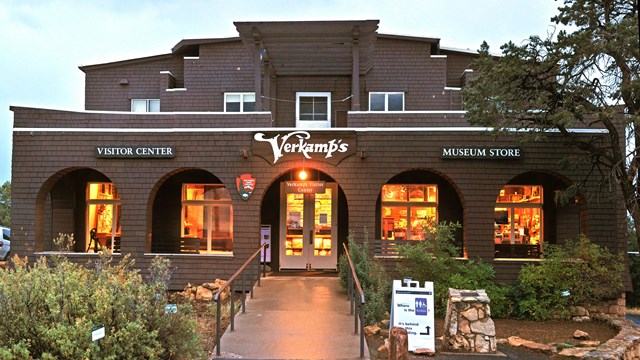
(219,68)
(410,67)
(198,83)
(111,87)
(457,64)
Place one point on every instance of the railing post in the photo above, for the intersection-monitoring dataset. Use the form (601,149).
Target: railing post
(232,306)
(350,292)
(362,329)
(244,297)
(251,279)
(355,319)
(264,261)
(258,271)
(218,320)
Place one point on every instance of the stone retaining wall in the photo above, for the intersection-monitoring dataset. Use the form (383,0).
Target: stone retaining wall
(615,308)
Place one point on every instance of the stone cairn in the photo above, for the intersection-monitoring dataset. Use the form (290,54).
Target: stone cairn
(468,325)
(206,291)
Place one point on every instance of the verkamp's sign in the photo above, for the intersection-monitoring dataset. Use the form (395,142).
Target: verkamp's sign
(327,146)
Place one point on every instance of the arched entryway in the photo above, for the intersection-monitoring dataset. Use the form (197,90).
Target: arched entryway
(83,202)
(307,220)
(412,202)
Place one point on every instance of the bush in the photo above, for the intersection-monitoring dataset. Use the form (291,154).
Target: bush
(575,273)
(633,298)
(435,260)
(373,278)
(50,308)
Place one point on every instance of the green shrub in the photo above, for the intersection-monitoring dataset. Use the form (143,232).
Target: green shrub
(374,280)
(435,260)
(50,308)
(575,273)
(633,298)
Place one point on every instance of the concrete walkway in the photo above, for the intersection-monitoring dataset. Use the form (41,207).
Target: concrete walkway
(294,317)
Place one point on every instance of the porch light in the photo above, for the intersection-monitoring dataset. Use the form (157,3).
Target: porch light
(302,175)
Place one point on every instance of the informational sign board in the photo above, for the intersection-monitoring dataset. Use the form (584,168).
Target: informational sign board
(97,333)
(412,309)
(265,237)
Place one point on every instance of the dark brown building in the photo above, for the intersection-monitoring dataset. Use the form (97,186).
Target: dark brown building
(196,155)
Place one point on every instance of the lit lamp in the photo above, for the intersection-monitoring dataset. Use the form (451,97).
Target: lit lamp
(302,175)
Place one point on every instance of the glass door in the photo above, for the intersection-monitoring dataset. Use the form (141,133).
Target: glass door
(308,231)
(293,252)
(324,252)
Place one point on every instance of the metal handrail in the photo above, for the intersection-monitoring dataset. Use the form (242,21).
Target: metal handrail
(354,284)
(229,284)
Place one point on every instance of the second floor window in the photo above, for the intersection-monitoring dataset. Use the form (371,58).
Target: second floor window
(145,105)
(386,101)
(313,109)
(239,102)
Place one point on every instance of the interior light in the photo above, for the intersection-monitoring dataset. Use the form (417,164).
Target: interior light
(302,175)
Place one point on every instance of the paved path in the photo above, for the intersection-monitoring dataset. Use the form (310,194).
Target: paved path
(294,317)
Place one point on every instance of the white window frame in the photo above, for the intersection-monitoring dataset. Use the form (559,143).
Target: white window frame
(386,99)
(242,95)
(313,124)
(148,104)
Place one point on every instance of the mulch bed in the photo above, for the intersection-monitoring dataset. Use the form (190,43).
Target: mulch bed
(546,332)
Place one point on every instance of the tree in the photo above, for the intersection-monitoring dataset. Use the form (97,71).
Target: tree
(5,204)
(589,76)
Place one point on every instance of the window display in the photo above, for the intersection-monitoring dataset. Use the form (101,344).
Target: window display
(103,217)
(408,211)
(207,215)
(518,222)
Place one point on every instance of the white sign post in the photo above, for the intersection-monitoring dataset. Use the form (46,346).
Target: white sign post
(412,309)
(265,237)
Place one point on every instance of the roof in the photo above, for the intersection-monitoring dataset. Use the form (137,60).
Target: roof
(298,47)
(312,47)
(86,68)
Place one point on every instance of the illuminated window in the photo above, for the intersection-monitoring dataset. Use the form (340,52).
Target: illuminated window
(239,102)
(145,105)
(386,101)
(518,223)
(103,217)
(408,211)
(207,215)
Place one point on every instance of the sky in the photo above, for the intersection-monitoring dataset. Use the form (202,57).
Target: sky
(43,42)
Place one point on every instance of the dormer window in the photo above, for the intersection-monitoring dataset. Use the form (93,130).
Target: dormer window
(386,101)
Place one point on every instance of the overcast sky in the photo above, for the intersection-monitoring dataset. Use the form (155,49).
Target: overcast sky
(42,42)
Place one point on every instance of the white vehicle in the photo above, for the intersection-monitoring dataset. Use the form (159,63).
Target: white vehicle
(5,243)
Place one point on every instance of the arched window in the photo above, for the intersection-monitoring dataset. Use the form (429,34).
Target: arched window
(103,217)
(207,217)
(408,211)
(518,224)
